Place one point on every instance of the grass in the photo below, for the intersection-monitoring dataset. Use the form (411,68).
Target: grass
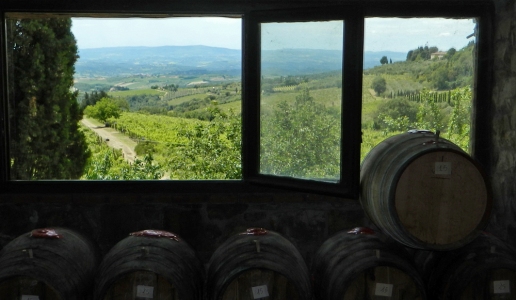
(236,106)
(177,101)
(129,93)
(368,111)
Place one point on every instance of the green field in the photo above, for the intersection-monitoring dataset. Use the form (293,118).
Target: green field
(136,92)
(145,82)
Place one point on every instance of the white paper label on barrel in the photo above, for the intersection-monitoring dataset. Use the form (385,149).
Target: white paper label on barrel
(260,292)
(29,297)
(502,286)
(144,291)
(442,168)
(383,289)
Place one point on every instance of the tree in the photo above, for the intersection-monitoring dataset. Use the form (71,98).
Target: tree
(213,149)
(379,85)
(46,142)
(301,139)
(451,52)
(384,60)
(91,99)
(104,109)
(395,109)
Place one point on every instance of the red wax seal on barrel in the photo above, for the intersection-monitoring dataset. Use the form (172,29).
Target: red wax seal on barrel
(255,231)
(156,233)
(361,230)
(47,233)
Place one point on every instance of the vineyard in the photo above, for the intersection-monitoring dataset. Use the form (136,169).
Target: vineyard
(196,132)
(154,128)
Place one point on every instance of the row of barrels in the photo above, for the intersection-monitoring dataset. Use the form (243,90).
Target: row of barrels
(422,191)
(58,263)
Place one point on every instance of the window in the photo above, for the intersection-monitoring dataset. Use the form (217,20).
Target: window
(418,74)
(301,96)
(154,105)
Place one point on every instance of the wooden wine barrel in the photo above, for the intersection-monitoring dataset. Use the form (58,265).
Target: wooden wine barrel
(424,191)
(150,264)
(257,264)
(485,269)
(366,265)
(49,263)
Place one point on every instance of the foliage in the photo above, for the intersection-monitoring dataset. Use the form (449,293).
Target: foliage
(103,110)
(459,125)
(379,85)
(122,103)
(421,53)
(46,142)
(395,114)
(157,128)
(429,115)
(92,99)
(171,87)
(145,147)
(152,104)
(451,52)
(452,120)
(371,138)
(108,164)
(301,139)
(455,70)
(212,150)
(384,60)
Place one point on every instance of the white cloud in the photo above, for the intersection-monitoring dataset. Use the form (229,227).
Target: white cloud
(403,34)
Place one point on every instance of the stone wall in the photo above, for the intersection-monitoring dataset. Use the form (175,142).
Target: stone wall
(503,165)
(305,220)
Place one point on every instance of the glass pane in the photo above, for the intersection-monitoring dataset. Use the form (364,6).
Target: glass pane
(300,101)
(418,74)
(124,98)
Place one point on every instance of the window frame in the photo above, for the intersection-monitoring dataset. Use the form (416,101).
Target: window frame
(251,12)
(351,90)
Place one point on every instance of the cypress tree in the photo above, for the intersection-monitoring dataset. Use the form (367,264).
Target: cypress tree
(46,142)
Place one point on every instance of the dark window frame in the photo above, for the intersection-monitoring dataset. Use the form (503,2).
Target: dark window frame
(353,12)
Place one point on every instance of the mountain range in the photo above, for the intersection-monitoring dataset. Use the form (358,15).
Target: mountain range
(196,60)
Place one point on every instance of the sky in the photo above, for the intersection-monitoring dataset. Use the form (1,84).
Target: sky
(178,31)
(381,34)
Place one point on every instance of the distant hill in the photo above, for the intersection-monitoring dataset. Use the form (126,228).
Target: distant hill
(158,60)
(119,61)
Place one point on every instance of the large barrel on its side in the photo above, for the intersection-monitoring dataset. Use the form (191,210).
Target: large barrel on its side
(424,191)
(48,263)
(485,269)
(150,264)
(257,264)
(364,264)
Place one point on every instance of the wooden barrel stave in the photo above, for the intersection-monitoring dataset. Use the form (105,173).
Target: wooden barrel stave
(18,286)
(125,287)
(65,265)
(244,255)
(404,194)
(278,286)
(470,272)
(349,266)
(172,266)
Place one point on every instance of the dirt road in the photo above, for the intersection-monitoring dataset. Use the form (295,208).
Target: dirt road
(114,139)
